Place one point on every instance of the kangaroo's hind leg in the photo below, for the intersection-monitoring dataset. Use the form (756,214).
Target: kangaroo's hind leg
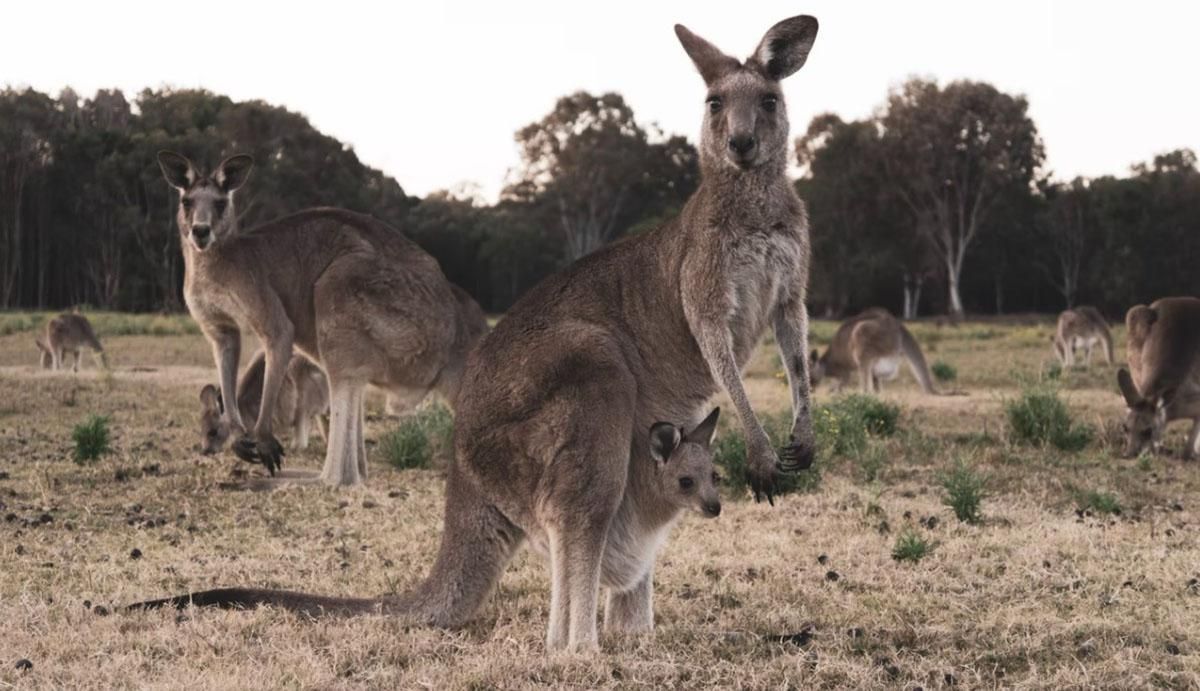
(631,611)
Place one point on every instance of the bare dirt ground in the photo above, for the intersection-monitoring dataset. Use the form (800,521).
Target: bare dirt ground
(1039,595)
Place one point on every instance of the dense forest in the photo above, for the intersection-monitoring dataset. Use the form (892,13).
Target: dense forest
(940,203)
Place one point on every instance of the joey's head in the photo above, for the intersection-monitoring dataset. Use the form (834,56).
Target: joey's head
(1145,419)
(206,213)
(816,368)
(687,478)
(214,428)
(745,119)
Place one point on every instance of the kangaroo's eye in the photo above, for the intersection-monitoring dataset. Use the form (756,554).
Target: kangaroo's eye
(187,204)
(219,206)
(716,478)
(714,104)
(686,483)
(769,102)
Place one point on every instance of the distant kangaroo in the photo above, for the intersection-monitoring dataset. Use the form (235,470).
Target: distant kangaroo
(68,333)
(870,346)
(1082,327)
(555,401)
(303,397)
(1163,347)
(347,290)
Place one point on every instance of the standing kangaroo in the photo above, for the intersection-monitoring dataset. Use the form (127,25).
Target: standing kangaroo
(548,432)
(870,346)
(1082,327)
(68,333)
(1163,347)
(345,289)
(303,397)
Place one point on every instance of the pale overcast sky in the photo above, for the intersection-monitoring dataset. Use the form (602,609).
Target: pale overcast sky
(432,92)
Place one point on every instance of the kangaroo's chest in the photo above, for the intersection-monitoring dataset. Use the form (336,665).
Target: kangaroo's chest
(629,553)
(765,269)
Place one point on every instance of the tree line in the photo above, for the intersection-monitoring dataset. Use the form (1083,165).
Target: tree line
(938,203)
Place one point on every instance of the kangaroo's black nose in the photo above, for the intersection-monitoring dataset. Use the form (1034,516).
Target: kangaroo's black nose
(712,509)
(742,144)
(201,232)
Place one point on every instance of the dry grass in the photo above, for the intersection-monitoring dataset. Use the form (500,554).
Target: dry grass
(1033,596)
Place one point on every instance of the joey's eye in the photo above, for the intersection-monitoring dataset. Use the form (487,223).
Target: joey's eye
(686,483)
(716,478)
(769,102)
(714,104)
(187,204)
(219,206)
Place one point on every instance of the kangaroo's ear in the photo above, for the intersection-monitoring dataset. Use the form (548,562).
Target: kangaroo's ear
(704,432)
(210,398)
(233,171)
(1128,390)
(707,58)
(177,169)
(785,47)
(664,437)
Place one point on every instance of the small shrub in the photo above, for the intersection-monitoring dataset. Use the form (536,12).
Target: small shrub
(1039,417)
(420,438)
(1143,462)
(910,546)
(1054,372)
(872,461)
(1099,502)
(843,425)
(91,439)
(944,371)
(965,492)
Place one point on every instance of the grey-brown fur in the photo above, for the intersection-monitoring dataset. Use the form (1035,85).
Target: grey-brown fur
(1082,327)
(68,333)
(868,348)
(1163,380)
(346,290)
(303,399)
(552,416)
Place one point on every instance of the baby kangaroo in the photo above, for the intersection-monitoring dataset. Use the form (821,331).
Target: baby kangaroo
(679,477)
(68,333)
(303,397)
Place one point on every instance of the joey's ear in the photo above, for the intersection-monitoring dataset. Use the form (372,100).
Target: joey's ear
(706,430)
(664,437)
(233,171)
(784,49)
(814,356)
(707,58)
(1128,390)
(210,398)
(177,169)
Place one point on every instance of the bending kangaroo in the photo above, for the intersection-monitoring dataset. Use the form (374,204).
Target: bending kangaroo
(1082,327)
(548,432)
(303,397)
(68,333)
(348,291)
(870,346)
(1163,347)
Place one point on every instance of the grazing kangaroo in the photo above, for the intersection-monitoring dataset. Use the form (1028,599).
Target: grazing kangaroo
(68,333)
(345,289)
(870,346)
(1082,327)
(303,397)
(556,399)
(1163,347)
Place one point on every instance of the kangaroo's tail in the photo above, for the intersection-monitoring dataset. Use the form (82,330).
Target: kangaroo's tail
(477,543)
(916,361)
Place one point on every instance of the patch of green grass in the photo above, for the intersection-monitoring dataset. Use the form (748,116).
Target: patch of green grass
(729,452)
(1054,372)
(17,322)
(872,461)
(842,426)
(910,546)
(965,491)
(91,439)
(1039,417)
(420,438)
(1143,462)
(1105,503)
(944,371)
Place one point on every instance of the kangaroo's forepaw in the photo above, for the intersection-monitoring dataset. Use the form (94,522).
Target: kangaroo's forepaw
(267,452)
(797,455)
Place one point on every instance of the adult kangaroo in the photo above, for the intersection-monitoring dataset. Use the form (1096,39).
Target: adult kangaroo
(1082,327)
(1163,347)
(870,346)
(69,332)
(549,440)
(345,289)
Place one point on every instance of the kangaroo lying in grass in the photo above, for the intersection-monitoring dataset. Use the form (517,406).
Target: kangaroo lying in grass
(1163,348)
(556,399)
(303,398)
(870,347)
(68,333)
(681,477)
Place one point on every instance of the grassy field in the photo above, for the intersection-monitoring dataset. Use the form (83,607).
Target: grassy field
(1081,571)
